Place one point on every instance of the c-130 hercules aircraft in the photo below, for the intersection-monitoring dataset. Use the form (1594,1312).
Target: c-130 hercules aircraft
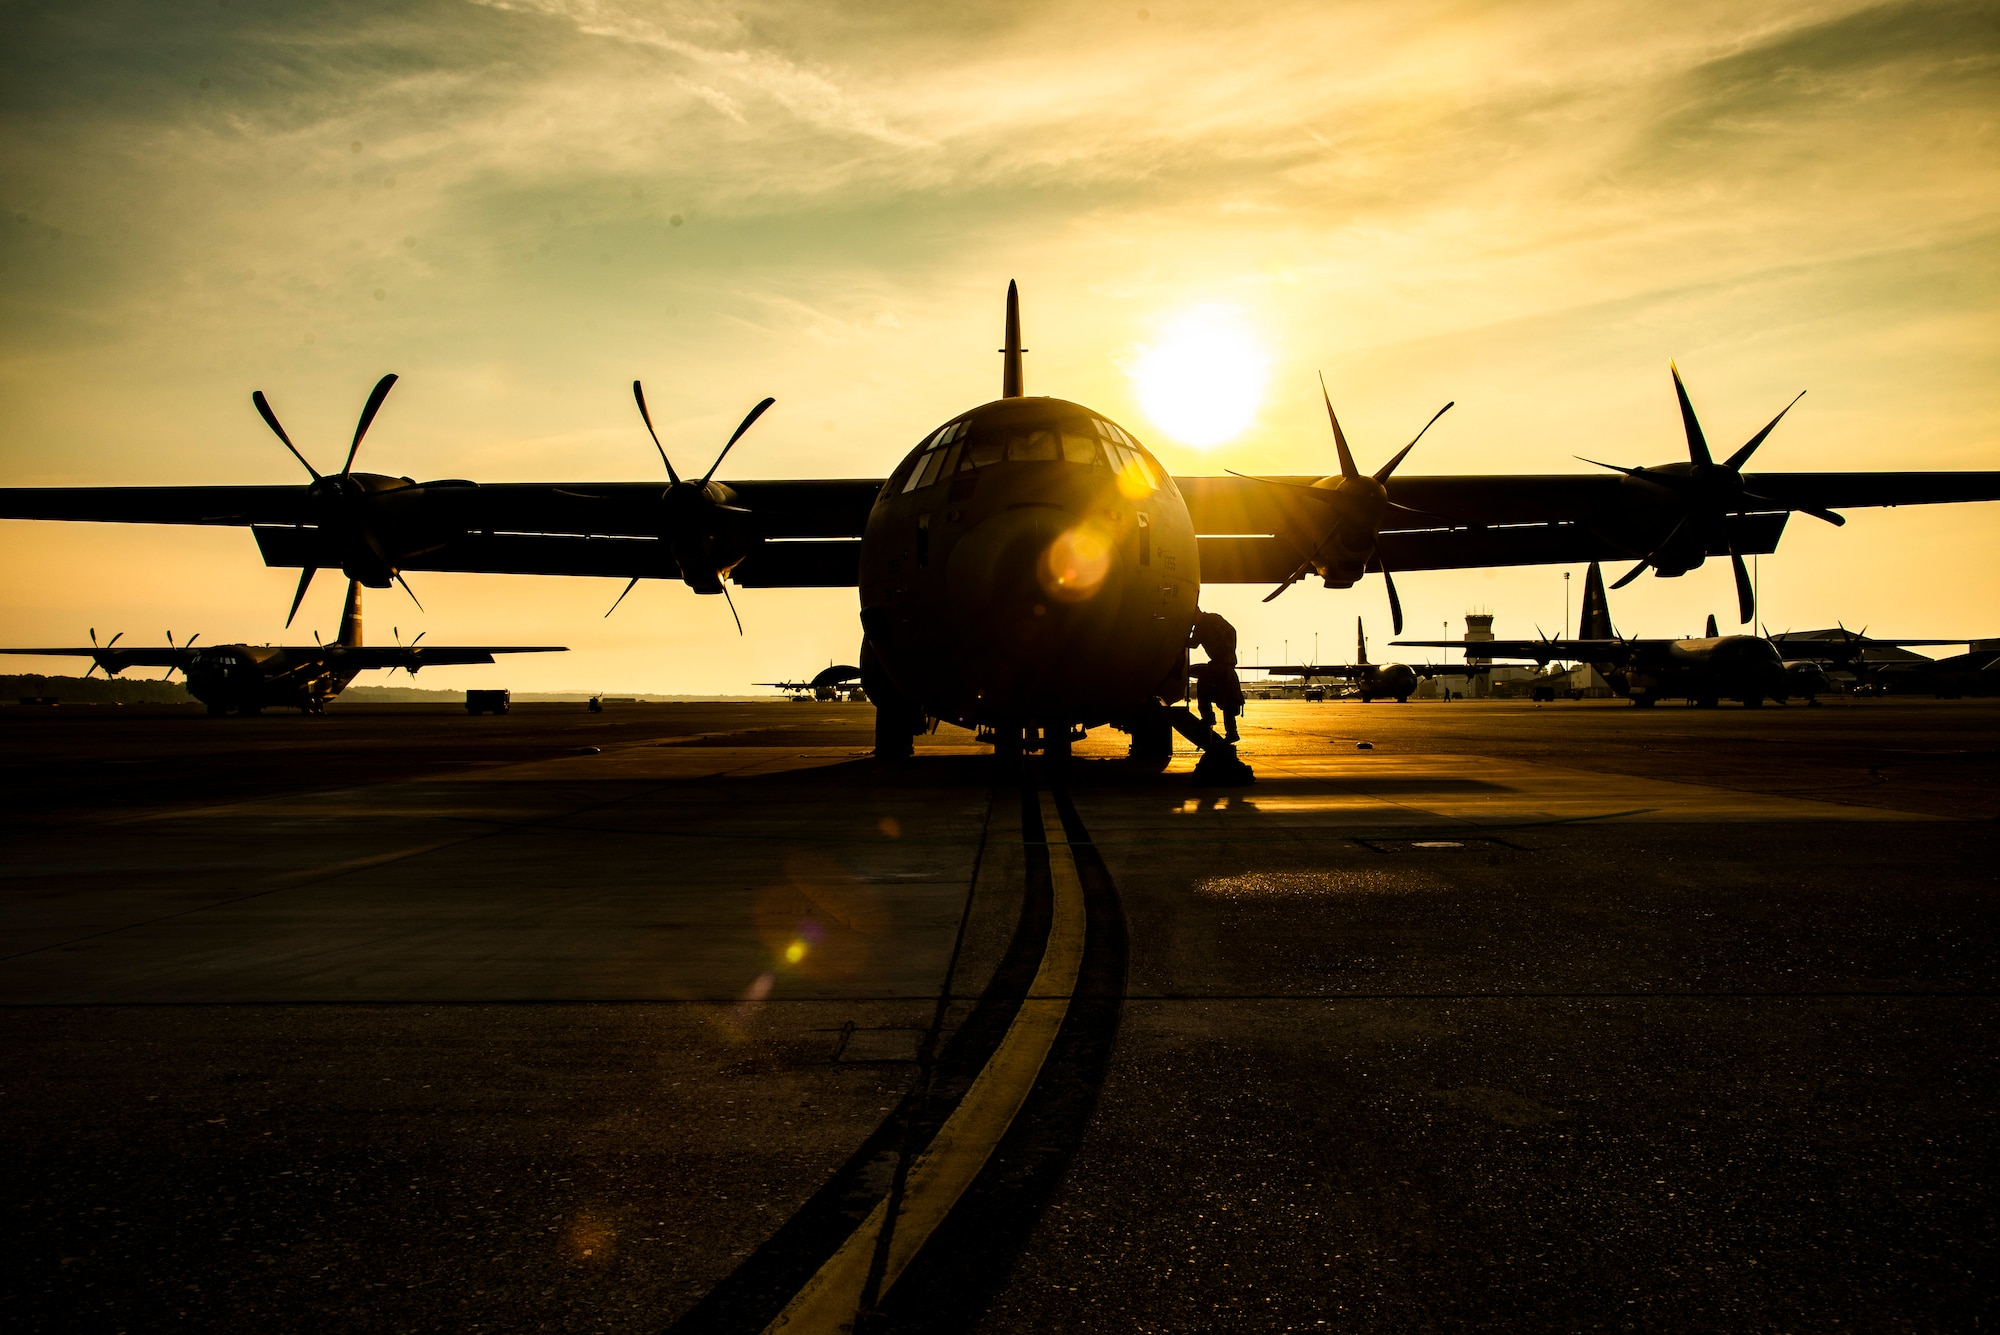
(250,678)
(1028,569)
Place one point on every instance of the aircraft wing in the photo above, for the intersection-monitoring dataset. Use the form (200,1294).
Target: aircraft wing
(1330,671)
(159,505)
(412,659)
(1539,651)
(800,508)
(116,660)
(1252,532)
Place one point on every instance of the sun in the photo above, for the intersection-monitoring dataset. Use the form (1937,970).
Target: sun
(1202,382)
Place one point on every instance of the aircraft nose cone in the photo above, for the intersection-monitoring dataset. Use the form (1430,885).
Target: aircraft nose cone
(1032,591)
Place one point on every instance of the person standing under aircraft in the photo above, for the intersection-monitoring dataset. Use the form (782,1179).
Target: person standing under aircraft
(1216,683)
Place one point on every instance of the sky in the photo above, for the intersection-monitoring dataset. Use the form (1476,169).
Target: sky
(519,207)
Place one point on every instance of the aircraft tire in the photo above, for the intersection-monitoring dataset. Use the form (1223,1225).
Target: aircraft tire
(1644,701)
(217,711)
(1753,702)
(893,738)
(1402,699)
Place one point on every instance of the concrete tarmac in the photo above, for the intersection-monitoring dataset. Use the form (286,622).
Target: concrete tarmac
(1569,1016)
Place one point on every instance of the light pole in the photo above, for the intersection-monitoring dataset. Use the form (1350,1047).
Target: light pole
(1565,604)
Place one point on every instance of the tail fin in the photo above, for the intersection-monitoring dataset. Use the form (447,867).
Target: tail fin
(1010,370)
(350,618)
(1360,643)
(1595,622)
(1712,631)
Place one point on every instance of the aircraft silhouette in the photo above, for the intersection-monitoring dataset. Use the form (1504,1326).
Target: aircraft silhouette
(1029,568)
(840,682)
(250,678)
(1372,681)
(1705,669)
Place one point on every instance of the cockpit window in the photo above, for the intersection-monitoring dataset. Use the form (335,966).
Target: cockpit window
(1032,446)
(1083,441)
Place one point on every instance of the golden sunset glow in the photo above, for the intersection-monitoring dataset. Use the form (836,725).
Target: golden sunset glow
(1203,380)
(1525,209)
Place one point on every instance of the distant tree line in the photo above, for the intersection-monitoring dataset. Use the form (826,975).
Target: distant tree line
(93,690)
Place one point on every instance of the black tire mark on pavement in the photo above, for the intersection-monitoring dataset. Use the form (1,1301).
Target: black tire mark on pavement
(972,1254)
(758,1289)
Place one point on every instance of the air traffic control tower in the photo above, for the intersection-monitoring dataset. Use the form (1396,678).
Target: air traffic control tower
(1478,626)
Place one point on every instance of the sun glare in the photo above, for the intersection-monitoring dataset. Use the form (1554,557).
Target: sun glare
(1202,382)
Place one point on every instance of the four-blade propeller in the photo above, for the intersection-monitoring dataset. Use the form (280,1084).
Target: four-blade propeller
(707,535)
(1706,493)
(338,495)
(1360,502)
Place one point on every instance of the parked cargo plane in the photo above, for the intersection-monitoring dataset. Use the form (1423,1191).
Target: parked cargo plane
(1028,568)
(250,678)
(1371,681)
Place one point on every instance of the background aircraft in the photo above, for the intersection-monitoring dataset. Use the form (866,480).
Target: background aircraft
(1028,568)
(249,678)
(832,683)
(1392,681)
(1704,669)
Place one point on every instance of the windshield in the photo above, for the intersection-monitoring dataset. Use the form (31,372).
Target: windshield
(1085,442)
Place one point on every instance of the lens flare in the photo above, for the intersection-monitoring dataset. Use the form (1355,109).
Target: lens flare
(1073,567)
(1202,382)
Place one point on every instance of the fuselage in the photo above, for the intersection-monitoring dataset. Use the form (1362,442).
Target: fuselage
(250,677)
(1030,563)
(1724,667)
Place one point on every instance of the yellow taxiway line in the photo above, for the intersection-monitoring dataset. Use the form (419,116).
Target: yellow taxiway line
(828,1303)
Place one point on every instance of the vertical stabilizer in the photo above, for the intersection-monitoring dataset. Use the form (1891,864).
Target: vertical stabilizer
(350,617)
(1360,643)
(1712,631)
(1595,621)
(1010,369)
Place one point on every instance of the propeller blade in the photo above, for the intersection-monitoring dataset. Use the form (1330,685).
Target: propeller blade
(1616,468)
(727,599)
(316,639)
(1827,516)
(621,597)
(93,637)
(639,397)
(1742,456)
(1382,473)
(1633,573)
(114,639)
(271,420)
(1290,580)
(755,413)
(191,639)
(1323,493)
(374,405)
(420,636)
(1697,443)
(413,597)
(1395,603)
(1347,468)
(305,580)
(1746,594)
